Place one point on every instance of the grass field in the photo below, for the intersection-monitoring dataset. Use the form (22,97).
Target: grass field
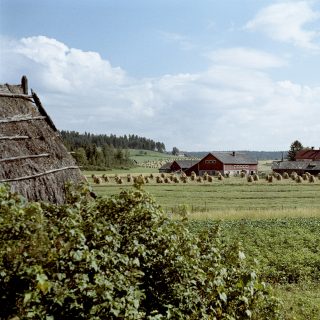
(229,197)
(276,223)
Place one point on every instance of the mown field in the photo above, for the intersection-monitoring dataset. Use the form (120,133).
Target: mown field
(277,224)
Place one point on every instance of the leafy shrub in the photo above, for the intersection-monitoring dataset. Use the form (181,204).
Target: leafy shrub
(119,258)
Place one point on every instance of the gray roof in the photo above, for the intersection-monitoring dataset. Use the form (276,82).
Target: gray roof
(296,165)
(237,158)
(186,164)
(167,165)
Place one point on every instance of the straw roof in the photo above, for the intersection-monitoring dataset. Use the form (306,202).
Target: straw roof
(33,158)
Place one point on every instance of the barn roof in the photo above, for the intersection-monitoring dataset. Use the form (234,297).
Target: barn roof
(234,158)
(33,158)
(186,164)
(296,165)
(308,154)
(167,165)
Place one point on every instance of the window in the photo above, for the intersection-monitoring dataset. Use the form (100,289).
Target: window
(210,161)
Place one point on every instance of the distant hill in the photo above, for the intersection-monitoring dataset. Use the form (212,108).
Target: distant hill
(259,155)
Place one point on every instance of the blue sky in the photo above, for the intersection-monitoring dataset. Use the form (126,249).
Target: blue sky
(199,75)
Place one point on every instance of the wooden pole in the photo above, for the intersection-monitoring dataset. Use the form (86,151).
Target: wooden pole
(21,119)
(14,137)
(39,174)
(16,95)
(24,84)
(25,157)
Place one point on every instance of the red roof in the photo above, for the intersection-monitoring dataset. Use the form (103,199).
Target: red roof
(308,154)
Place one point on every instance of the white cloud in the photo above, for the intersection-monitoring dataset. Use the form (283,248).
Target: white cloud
(246,57)
(231,105)
(286,22)
(183,42)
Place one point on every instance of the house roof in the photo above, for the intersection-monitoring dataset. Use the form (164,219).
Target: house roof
(296,165)
(33,158)
(234,158)
(308,154)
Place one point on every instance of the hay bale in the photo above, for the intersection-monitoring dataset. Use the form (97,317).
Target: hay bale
(199,179)
(166,180)
(293,175)
(210,179)
(255,177)
(205,176)
(270,178)
(279,177)
(220,177)
(146,179)
(163,175)
(193,176)
(120,181)
(97,180)
(285,175)
(299,179)
(312,178)
(227,174)
(250,178)
(151,176)
(242,174)
(159,179)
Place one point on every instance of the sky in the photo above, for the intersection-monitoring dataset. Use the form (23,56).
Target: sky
(199,75)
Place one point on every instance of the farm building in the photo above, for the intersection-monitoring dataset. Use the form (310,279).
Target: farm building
(224,162)
(33,158)
(218,162)
(298,166)
(307,160)
(177,166)
(309,154)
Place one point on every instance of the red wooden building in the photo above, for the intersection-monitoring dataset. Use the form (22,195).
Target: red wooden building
(216,162)
(310,154)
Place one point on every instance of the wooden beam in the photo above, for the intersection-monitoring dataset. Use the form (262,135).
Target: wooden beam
(16,95)
(13,137)
(39,174)
(25,157)
(18,119)
(43,111)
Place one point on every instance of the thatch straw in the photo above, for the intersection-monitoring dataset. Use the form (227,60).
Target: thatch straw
(33,158)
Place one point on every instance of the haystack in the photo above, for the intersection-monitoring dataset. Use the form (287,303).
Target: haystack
(33,158)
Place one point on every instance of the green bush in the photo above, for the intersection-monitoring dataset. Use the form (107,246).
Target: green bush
(119,258)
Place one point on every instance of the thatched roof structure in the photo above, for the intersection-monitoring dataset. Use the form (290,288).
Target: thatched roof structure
(33,158)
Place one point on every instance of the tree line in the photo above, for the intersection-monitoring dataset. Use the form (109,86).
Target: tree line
(103,151)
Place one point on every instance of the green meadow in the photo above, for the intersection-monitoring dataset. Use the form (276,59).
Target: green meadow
(277,224)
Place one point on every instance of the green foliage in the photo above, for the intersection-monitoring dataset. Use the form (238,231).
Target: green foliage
(294,148)
(119,258)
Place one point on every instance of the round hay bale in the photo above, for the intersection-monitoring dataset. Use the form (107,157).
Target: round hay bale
(299,179)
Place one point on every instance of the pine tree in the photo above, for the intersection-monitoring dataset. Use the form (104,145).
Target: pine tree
(294,148)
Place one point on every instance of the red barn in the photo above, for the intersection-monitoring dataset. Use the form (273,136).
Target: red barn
(311,154)
(224,162)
